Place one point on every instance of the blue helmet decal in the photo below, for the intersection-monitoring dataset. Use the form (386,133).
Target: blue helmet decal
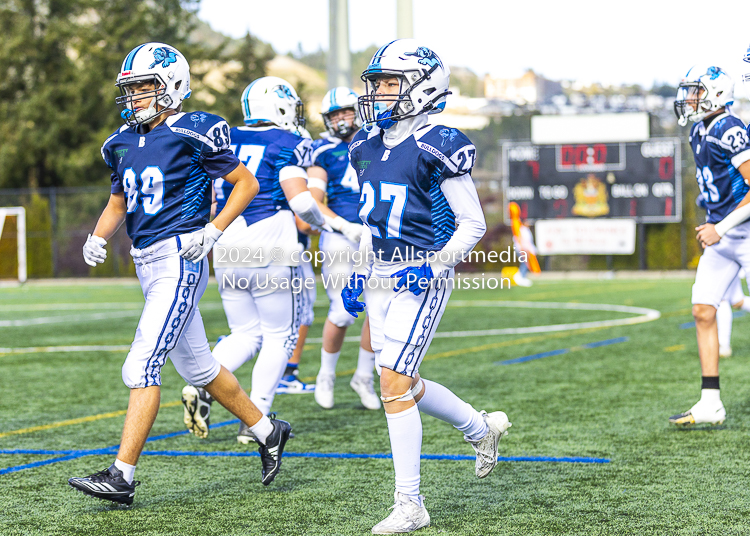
(747,55)
(714,72)
(165,56)
(283,92)
(426,56)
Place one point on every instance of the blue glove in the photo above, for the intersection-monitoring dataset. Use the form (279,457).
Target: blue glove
(417,280)
(354,288)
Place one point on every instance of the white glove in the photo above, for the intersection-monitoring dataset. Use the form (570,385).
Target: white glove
(353,231)
(198,244)
(93,250)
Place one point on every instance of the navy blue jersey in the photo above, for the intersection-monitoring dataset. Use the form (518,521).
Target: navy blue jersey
(401,199)
(265,152)
(332,154)
(720,146)
(166,173)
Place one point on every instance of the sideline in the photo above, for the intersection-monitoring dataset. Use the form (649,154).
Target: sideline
(74,454)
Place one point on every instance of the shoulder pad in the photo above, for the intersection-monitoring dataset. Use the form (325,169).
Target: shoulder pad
(204,131)
(322,145)
(450,146)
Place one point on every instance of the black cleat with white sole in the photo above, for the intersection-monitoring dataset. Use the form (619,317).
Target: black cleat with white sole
(108,485)
(270,453)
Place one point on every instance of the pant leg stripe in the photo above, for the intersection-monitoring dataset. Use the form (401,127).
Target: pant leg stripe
(187,312)
(413,327)
(434,325)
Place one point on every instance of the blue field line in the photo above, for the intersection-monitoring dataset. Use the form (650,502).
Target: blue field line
(72,454)
(597,344)
(690,325)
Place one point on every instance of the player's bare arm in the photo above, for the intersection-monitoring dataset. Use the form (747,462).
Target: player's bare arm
(707,233)
(112,217)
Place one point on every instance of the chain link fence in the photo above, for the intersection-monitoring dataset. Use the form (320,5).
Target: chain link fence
(58,221)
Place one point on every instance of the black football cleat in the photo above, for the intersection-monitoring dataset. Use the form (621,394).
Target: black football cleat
(108,485)
(270,453)
(196,403)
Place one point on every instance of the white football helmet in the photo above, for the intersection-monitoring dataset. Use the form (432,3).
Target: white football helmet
(272,100)
(746,76)
(340,98)
(163,66)
(702,92)
(423,77)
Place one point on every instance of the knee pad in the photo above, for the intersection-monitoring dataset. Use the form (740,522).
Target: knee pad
(404,397)
(134,374)
(417,388)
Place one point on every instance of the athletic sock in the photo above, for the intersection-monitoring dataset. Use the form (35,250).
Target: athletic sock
(405,431)
(365,363)
(292,369)
(441,403)
(724,324)
(328,362)
(128,471)
(262,429)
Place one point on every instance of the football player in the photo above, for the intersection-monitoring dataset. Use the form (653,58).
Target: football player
(734,298)
(722,161)
(332,177)
(418,201)
(163,162)
(257,259)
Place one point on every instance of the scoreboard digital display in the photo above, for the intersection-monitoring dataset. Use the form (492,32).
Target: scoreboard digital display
(638,180)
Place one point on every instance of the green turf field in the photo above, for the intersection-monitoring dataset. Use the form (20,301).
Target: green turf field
(596,403)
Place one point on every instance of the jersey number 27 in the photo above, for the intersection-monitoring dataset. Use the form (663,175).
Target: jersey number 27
(390,192)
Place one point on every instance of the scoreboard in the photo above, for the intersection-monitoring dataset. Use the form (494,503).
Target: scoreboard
(637,180)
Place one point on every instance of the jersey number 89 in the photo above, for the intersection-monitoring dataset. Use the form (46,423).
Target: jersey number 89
(148,190)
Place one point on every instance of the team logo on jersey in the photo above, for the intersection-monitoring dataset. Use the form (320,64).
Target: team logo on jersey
(591,197)
(363,166)
(164,56)
(448,134)
(198,118)
(426,57)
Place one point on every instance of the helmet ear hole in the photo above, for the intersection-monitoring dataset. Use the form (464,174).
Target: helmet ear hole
(178,84)
(429,91)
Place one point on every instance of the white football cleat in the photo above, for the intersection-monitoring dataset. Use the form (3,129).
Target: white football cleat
(725,351)
(407,516)
(701,414)
(324,390)
(364,388)
(486,448)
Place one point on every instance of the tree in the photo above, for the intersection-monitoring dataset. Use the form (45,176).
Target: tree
(60,59)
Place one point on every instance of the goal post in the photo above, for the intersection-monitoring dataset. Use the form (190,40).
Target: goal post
(20,214)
